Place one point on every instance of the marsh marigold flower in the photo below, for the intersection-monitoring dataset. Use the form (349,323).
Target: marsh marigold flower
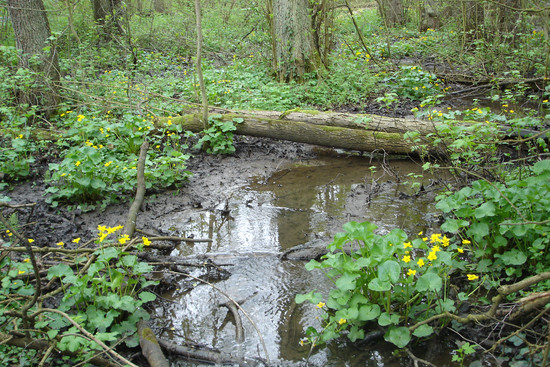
(420,263)
(320,304)
(76,240)
(472,277)
(407,244)
(406,258)
(411,272)
(342,321)
(146,241)
(466,242)
(432,256)
(460,251)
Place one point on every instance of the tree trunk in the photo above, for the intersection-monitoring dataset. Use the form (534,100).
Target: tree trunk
(32,36)
(293,41)
(392,12)
(106,16)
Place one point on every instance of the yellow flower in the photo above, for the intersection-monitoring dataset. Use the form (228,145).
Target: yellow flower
(420,233)
(80,118)
(21,272)
(20,136)
(122,240)
(436,249)
(407,244)
(445,241)
(466,242)
(146,241)
(26,260)
(406,258)
(472,277)
(60,243)
(9,233)
(420,263)
(108,163)
(76,240)
(31,240)
(101,228)
(435,237)
(342,321)
(77,163)
(411,272)
(460,251)
(102,236)
(432,256)
(320,305)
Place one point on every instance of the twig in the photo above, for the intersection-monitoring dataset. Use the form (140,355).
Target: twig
(86,333)
(239,307)
(417,360)
(38,287)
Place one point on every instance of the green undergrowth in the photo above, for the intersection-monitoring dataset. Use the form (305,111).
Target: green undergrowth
(104,294)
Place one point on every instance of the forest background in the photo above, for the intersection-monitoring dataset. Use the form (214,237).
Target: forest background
(84,84)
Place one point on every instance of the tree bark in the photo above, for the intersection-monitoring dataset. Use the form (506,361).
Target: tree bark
(298,36)
(106,16)
(32,36)
(392,12)
(337,130)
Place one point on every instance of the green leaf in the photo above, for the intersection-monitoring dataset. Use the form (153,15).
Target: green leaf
(389,271)
(368,312)
(147,297)
(513,257)
(485,210)
(356,333)
(59,270)
(429,281)
(386,319)
(346,282)
(379,286)
(312,297)
(400,336)
(423,331)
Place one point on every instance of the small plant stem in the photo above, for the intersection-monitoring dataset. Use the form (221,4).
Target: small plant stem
(199,64)
(38,287)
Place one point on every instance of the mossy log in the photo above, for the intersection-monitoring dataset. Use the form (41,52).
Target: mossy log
(337,130)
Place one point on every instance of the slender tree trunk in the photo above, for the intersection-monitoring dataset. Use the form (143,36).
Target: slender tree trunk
(392,12)
(32,36)
(199,64)
(106,16)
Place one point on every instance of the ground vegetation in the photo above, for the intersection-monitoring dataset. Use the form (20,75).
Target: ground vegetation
(91,98)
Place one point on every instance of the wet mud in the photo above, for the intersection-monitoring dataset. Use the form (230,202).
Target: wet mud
(266,209)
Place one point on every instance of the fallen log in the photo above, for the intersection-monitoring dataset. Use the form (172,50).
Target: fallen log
(367,133)
(363,132)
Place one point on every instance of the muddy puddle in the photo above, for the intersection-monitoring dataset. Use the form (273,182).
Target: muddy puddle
(305,203)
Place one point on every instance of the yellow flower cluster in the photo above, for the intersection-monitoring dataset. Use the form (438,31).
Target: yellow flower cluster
(105,231)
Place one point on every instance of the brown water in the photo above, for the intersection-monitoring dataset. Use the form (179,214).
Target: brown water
(301,204)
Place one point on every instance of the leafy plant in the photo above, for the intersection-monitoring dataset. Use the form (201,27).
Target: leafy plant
(507,222)
(388,280)
(218,138)
(100,163)
(106,299)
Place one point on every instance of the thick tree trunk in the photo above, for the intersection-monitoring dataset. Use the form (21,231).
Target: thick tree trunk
(32,33)
(292,37)
(337,130)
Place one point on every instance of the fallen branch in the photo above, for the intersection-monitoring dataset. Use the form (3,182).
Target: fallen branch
(85,333)
(150,346)
(43,345)
(130,225)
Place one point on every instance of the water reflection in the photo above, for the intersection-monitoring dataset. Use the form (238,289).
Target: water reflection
(296,205)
